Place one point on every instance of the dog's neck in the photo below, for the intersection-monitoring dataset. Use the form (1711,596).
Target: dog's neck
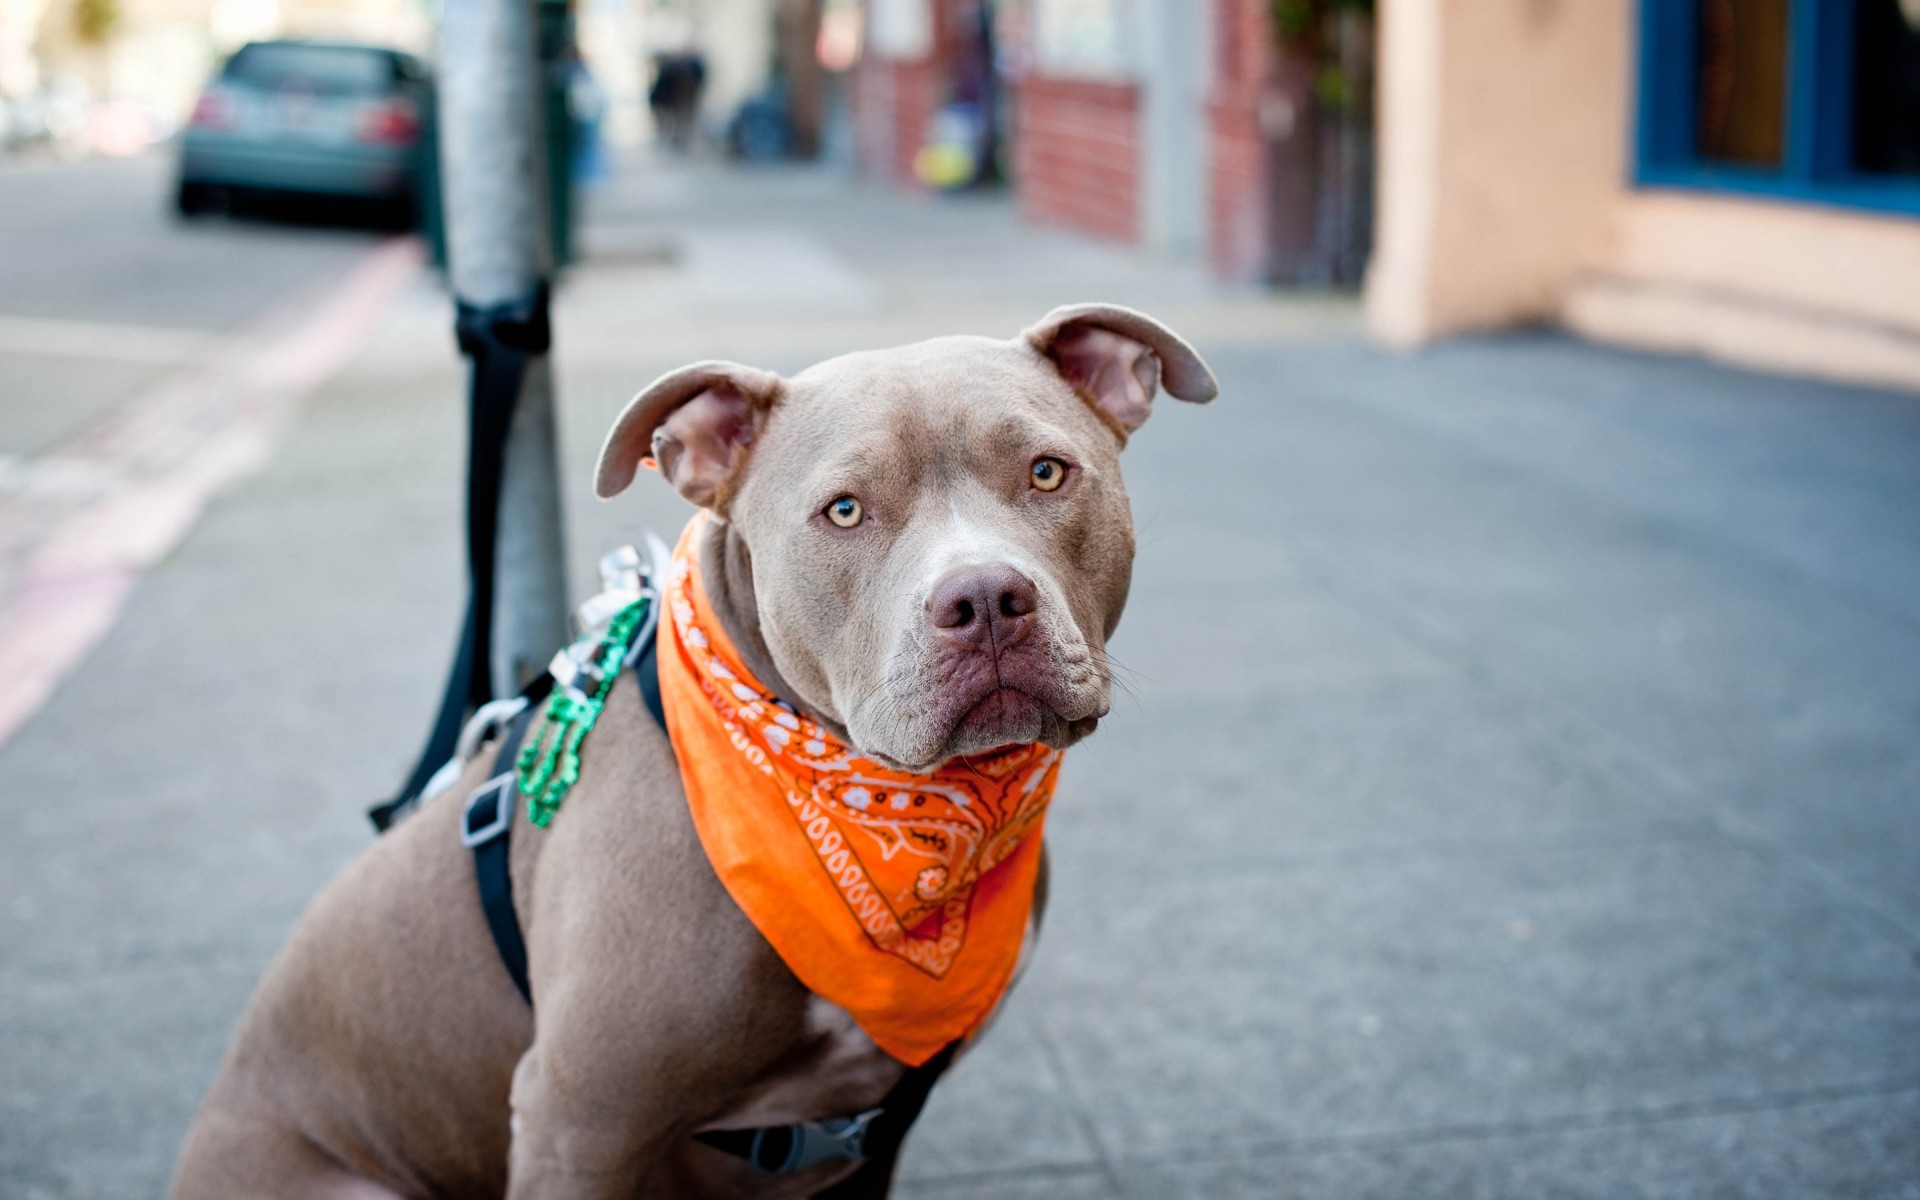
(726,568)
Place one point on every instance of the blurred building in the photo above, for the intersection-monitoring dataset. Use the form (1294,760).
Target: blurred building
(1733,177)
(1191,127)
(154,55)
(1099,130)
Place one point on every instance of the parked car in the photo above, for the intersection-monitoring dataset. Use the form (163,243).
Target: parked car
(313,118)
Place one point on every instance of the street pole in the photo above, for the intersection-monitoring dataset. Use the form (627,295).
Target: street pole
(500,257)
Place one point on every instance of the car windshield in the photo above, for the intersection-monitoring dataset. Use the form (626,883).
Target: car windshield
(280,66)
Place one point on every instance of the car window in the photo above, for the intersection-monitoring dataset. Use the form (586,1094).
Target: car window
(278,66)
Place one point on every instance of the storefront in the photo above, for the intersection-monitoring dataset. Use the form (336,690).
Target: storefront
(1733,177)
(1093,131)
(1197,128)
(1076,143)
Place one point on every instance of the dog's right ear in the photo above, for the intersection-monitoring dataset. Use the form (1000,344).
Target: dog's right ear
(697,424)
(1118,359)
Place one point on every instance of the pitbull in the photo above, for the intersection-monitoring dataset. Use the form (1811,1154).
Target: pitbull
(387,1054)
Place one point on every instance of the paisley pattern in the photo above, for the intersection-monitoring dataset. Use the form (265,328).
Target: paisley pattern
(900,848)
(915,862)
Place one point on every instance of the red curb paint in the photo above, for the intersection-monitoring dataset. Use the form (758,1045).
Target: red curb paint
(177,447)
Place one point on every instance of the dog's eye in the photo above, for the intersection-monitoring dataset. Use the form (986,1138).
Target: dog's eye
(845,512)
(1049,473)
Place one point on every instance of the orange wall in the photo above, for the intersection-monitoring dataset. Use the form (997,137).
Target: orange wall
(1504,197)
(1501,135)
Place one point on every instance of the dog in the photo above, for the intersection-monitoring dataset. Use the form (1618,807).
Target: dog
(919,551)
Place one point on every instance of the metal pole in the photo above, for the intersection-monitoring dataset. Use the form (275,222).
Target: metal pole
(493,164)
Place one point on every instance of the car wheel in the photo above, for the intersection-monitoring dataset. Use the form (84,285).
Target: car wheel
(397,214)
(198,199)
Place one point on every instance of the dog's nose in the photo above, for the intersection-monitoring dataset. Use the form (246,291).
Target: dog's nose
(978,602)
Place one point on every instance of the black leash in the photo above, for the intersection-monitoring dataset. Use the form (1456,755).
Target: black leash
(500,339)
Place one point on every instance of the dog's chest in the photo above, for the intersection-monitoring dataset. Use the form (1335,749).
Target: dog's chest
(840,1072)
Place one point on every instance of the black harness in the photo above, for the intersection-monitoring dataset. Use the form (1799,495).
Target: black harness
(872,1138)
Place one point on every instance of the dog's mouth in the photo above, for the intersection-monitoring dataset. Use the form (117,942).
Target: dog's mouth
(1008,718)
(1005,716)
(976,706)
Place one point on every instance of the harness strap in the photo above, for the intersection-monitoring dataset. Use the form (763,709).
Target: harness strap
(872,1138)
(646,672)
(486,828)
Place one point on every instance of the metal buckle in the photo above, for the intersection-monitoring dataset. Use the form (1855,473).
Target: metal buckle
(490,719)
(621,569)
(598,611)
(836,1139)
(569,673)
(499,792)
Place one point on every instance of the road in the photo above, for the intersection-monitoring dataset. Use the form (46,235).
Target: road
(1514,795)
(102,290)
(146,363)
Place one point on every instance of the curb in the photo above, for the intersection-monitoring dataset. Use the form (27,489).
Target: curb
(161,458)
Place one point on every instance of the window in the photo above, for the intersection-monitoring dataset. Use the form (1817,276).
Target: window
(330,70)
(1886,89)
(900,29)
(1085,38)
(1803,99)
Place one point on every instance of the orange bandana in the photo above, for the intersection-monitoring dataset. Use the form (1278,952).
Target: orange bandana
(901,898)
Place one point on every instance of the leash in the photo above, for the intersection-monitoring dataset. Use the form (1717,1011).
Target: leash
(500,339)
(574,690)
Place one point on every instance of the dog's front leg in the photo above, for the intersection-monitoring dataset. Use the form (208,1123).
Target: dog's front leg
(614,1077)
(620,1072)
(573,1138)
(594,1112)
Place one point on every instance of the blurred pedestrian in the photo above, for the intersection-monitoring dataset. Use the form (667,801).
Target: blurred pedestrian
(678,79)
(587,104)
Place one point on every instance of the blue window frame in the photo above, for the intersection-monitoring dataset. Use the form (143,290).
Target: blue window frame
(1805,60)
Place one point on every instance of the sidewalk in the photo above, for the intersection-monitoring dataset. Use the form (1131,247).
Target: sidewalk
(1516,796)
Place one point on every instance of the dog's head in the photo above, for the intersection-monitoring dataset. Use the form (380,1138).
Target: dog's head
(939,539)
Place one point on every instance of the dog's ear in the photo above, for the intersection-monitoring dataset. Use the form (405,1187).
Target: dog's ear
(1117,359)
(698,424)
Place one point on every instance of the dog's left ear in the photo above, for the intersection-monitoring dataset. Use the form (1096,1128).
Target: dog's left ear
(1117,359)
(698,424)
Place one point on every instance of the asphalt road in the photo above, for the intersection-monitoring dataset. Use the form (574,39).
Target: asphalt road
(103,290)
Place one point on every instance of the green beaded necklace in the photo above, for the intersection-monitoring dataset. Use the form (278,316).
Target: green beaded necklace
(549,761)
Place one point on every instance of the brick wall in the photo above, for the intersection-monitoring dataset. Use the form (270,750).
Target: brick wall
(1237,185)
(1077,155)
(892,103)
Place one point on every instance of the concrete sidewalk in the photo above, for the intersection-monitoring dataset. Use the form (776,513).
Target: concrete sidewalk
(1515,797)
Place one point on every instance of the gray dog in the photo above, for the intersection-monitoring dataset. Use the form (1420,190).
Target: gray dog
(924,550)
